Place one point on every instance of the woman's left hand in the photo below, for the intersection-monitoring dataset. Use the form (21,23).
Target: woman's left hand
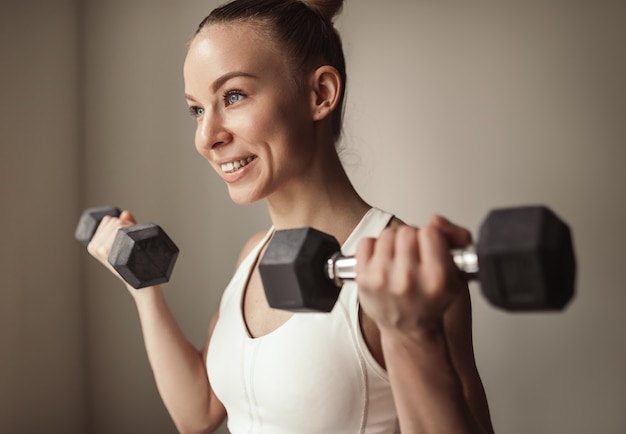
(407,278)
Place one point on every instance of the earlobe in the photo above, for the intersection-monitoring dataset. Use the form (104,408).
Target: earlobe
(326,91)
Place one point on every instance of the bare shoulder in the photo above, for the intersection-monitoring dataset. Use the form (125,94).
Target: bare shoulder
(247,247)
(252,242)
(395,222)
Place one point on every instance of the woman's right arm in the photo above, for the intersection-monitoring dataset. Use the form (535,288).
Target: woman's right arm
(179,368)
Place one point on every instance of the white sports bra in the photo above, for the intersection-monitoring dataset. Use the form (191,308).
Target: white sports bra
(313,374)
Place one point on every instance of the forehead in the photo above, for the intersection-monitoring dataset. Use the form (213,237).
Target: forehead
(222,48)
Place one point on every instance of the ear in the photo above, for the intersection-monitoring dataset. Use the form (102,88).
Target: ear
(326,90)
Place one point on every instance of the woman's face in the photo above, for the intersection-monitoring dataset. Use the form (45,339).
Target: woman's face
(253,124)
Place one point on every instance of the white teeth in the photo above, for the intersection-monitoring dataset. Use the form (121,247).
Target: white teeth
(236,165)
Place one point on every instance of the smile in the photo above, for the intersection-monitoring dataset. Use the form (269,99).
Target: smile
(233,166)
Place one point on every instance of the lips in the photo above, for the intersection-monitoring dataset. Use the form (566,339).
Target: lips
(235,165)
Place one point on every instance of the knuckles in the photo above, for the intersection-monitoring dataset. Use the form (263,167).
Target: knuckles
(100,245)
(393,264)
(405,282)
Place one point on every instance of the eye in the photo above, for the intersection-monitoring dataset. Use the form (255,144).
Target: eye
(196,111)
(233,96)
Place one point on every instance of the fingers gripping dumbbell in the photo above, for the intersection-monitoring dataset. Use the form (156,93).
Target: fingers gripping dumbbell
(143,254)
(524,260)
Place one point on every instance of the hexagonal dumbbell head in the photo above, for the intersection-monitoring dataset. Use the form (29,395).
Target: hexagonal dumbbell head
(292,271)
(143,255)
(526,259)
(89,221)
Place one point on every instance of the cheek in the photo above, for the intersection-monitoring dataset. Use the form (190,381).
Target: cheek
(196,138)
(285,123)
(261,128)
(199,143)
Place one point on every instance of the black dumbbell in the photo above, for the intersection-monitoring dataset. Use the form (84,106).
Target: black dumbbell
(143,254)
(524,260)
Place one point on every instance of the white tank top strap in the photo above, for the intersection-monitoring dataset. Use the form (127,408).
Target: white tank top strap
(370,226)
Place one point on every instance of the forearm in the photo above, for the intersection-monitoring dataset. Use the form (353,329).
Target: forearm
(427,390)
(178,367)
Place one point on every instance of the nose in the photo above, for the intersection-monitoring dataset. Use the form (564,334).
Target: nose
(211,132)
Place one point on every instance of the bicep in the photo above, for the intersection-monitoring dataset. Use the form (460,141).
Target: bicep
(217,412)
(458,326)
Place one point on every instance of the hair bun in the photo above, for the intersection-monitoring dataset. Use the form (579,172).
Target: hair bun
(328,9)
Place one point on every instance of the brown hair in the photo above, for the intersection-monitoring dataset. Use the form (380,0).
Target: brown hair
(304,27)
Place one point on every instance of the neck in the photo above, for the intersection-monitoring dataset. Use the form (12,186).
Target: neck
(323,198)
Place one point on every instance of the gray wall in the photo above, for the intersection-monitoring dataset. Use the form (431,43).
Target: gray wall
(454,109)
(42,358)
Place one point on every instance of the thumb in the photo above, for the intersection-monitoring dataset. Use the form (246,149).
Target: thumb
(457,236)
(127,217)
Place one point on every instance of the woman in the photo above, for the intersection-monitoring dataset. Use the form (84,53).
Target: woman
(265,80)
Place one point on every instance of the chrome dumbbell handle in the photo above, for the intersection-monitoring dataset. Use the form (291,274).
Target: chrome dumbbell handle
(341,268)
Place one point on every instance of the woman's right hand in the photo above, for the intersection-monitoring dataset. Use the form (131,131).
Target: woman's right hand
(102,241)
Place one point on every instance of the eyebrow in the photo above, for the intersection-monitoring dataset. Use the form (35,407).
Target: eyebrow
(219,82)
(228,76)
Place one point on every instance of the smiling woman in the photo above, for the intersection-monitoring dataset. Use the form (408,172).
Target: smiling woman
(265,81)
(242,93)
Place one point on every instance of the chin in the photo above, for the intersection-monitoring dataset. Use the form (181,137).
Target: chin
(243,197)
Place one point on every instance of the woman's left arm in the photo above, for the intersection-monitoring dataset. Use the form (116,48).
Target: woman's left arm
(458,330)
(410,288)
